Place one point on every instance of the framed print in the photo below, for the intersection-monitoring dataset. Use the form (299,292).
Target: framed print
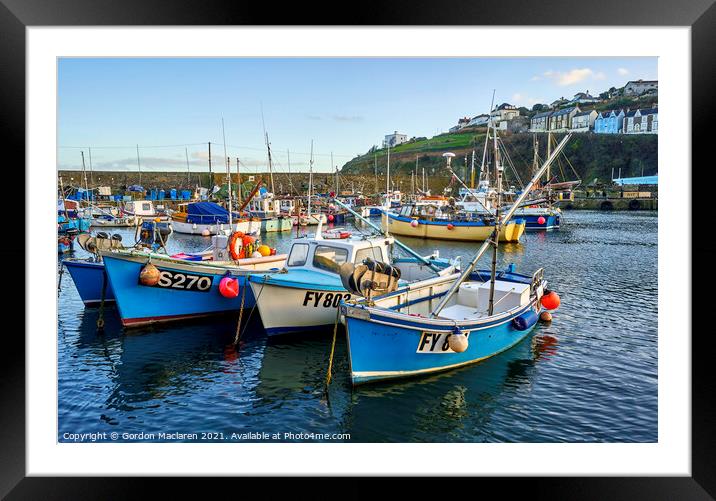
(429,244)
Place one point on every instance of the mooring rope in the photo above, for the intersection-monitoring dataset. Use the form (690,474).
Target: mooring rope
(241,312)
(266,277)
(333,348)
(100,319)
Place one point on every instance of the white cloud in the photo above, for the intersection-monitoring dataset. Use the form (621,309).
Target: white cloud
(573,76)
(522,99)
(622,71)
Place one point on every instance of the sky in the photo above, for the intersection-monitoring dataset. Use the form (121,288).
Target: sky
(172,108)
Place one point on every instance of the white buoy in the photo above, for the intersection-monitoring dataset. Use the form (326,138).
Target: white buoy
(205,233)
(458,342)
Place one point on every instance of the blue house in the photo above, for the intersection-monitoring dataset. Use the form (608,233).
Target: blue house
(609,122)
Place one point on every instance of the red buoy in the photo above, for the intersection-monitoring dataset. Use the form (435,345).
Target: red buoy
(545,317)
(550,301)
(330,218)
(229,287)
(541,220)
(450,226)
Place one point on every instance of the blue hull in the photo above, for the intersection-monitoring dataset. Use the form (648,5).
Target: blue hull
(550,222)
(382,352)
(140,305)
(88,278)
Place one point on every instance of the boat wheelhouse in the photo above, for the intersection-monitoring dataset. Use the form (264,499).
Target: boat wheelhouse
(307,294)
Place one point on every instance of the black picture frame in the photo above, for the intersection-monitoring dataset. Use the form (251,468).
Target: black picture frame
(700,15)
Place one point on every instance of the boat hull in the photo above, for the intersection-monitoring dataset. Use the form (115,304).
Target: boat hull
(382,348)
(439,230)
(212,229)
(89,278)
(275,224)
(286,309)
(140,305)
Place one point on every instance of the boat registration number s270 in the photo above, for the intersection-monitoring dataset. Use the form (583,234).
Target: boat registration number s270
(324,299)
(435,342)
(183,281)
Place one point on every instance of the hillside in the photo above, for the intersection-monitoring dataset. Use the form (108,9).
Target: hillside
(592,155)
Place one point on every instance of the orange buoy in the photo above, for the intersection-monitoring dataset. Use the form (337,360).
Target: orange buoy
(550,300)
(545,316)
(450,226)
(229,287)
(149,275)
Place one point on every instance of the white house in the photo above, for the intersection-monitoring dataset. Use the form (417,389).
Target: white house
(583,121)
(479,120)
(638,87)
(583,98)
(394,139)
(642,121)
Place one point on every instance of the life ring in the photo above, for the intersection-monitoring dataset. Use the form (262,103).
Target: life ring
(237,251)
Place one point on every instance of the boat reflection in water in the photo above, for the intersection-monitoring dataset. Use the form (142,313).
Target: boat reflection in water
(164,378)
(463,405)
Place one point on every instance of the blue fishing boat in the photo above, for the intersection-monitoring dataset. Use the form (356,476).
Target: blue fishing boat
(182,288)
(89,278)
(447,321)
(395,336)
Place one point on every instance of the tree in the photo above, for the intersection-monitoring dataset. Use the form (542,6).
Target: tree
(540,107)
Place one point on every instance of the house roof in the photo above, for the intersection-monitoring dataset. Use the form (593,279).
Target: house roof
(505,106)
(631,113)
(581,113)
(606,113)
(650,111)
(565,111)
(543,114)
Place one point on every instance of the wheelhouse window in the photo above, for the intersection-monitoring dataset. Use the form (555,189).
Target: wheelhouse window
(329,258)
(375,253)
(298,255)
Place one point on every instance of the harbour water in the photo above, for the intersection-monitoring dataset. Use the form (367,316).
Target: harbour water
(589,376)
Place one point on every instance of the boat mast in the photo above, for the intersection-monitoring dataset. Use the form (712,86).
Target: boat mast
(228,172)
(487,140)
(387,180)
(472,168)
(211,177)
(89,150)
(415,185)
(290,183)
(375,169)
(270,162)
(188,174)
(238,181)
(84,172)
(549,190)
(310,181)
(495,237)
(471,266)
(139,167)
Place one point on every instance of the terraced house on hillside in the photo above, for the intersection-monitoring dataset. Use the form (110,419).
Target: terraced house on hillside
(583,121)
(609,122)
(561,120)
(540,122)
(642,121)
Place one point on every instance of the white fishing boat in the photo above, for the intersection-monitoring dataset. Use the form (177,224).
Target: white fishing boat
(306,295)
